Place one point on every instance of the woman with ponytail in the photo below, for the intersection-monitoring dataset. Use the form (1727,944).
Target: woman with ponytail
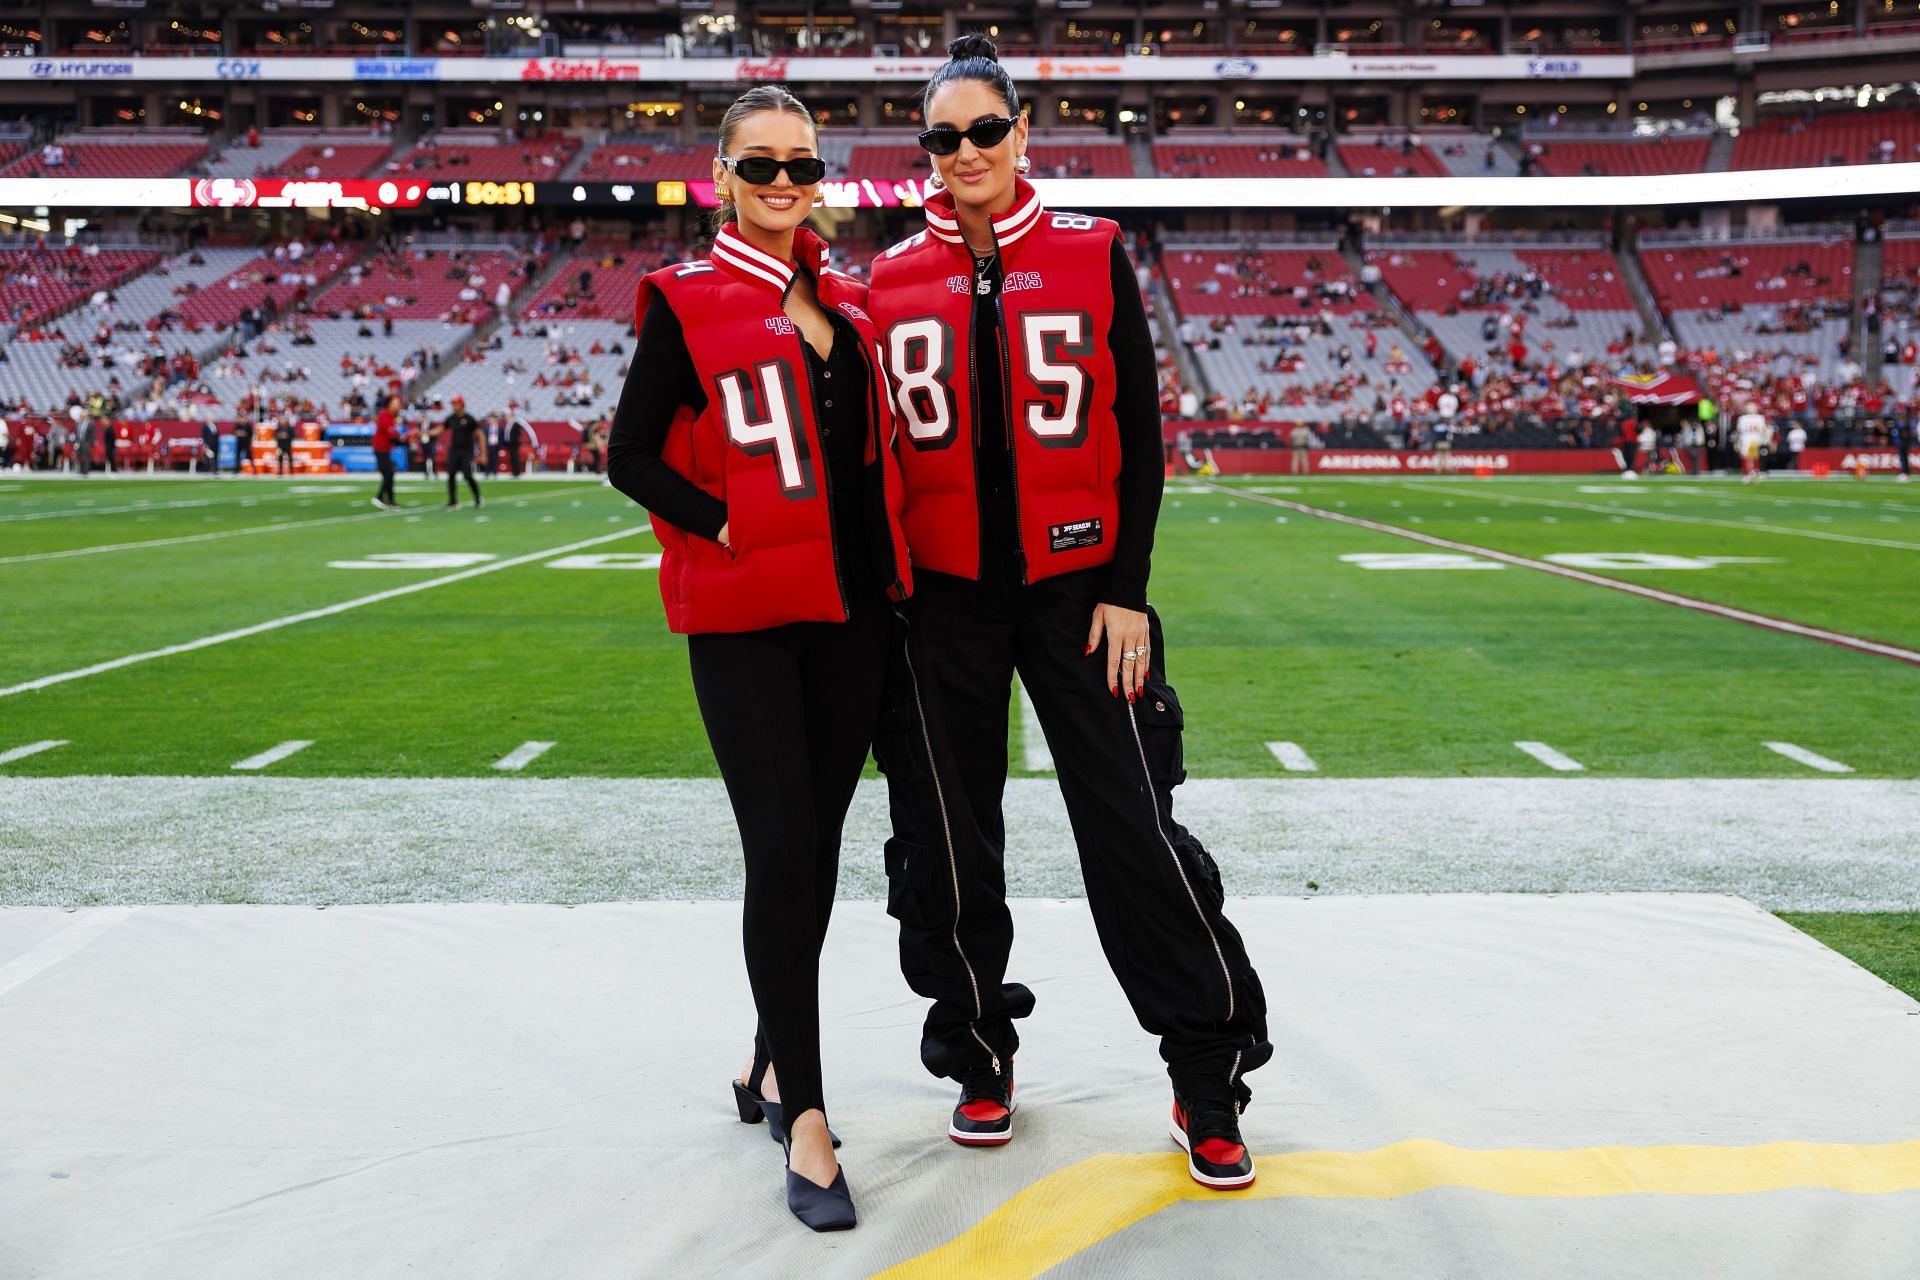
(1031,452)
(754,427)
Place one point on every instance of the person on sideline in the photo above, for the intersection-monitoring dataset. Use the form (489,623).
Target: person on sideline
(755,427)
(463,430)
(1023,371)
(385,431)
(1752,431)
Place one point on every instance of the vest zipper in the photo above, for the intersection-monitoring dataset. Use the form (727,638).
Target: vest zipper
(876,407)
(826,472)
(1006,405)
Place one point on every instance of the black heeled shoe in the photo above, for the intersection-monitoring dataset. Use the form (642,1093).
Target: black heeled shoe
(753,1108)
(827,1208)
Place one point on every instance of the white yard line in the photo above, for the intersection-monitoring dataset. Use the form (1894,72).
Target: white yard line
(1039,757)
(522,756)
(229,533)
(310,615)
(1840,638)
(1547,756)
(1812,759)
(251,499)
(273,755)
(31,749)
(1669,516)
(190,537)
(50,951)
(1292,758)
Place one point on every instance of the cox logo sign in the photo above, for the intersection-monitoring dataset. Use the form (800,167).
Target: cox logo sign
(1236,68)
(238,69)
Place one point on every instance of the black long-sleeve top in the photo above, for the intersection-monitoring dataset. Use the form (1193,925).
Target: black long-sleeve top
(1136,407)
(662,377)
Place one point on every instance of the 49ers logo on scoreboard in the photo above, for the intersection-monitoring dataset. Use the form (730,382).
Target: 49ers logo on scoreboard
(758,409)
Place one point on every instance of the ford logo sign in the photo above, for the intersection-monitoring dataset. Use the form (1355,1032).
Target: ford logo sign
(1236,68)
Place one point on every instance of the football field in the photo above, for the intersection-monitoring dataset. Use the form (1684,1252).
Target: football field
(1346,628)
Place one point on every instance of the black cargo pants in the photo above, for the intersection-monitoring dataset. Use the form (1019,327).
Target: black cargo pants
(1154,891)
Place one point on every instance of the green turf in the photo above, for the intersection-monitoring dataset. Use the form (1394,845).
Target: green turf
(1270,635)
(1886,944)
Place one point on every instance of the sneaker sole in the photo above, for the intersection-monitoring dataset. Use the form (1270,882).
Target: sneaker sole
(1205,1179)
(968,1139)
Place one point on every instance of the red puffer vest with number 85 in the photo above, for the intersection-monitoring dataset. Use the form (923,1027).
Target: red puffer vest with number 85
(757,448)
(1056,305)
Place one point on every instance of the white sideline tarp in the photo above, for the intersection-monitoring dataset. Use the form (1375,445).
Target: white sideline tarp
(519,1090)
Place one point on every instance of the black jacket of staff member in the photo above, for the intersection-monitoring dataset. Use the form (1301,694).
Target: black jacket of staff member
(462,430)
(283,443)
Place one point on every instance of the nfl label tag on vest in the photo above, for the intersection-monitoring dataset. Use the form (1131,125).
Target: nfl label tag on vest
(1080,533)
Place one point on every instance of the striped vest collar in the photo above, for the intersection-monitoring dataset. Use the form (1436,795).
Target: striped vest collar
(731,250)
(944,224)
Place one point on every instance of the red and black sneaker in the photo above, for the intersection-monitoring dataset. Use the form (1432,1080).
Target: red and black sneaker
(984,1116)
(1209,1132)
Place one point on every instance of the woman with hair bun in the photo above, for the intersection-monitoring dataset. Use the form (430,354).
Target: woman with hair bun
(1031,452)
(754,427)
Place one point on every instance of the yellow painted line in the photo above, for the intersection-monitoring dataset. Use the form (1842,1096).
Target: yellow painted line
(1083,1204)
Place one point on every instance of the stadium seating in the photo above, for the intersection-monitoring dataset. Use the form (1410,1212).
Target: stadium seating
(220,303)
(1848,136)
(332,160)
(480,155)
(648,162)
(38,284)
(1222,282)
(613,282)
(1201,158)
(541,363)
(1749,273)
(1364,160)
(1582,307)
(1900,260)
(113,154)
(427,285)
(1626,157)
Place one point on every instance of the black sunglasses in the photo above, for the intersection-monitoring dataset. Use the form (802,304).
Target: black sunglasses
(760,170)
(944,140)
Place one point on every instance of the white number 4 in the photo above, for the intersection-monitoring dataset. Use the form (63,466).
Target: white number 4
(760,419)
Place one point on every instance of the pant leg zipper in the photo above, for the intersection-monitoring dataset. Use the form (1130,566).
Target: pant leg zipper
(953,864)
(1133,719)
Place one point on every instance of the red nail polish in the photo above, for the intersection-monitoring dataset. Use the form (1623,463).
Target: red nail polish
(1089,650)
(1129,695)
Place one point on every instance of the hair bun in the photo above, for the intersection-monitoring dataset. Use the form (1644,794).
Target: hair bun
(973,46)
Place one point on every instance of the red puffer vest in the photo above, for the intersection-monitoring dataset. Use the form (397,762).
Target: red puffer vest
(757,447)
(1057,308)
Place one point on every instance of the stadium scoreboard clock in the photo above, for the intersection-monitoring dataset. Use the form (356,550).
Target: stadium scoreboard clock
(496,193)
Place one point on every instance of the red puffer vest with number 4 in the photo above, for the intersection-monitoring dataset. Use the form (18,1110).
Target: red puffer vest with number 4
(1056,308)
(757,447)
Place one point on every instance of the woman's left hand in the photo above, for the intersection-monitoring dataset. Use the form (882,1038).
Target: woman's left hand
(1127,659)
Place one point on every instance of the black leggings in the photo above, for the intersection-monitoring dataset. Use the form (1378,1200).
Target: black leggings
(790,712)
(460,464)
